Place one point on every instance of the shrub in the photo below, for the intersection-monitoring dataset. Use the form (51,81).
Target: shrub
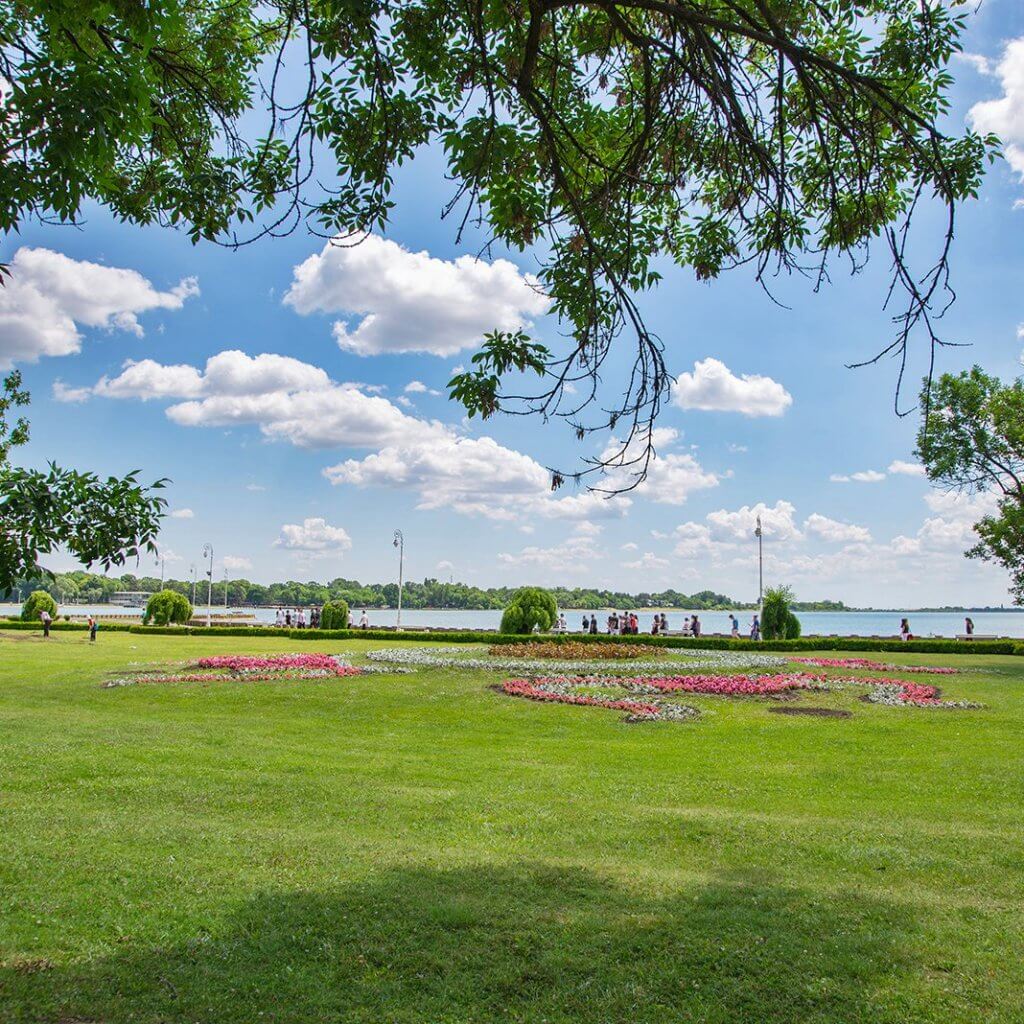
(334,615)
(37,601)
(530,607)
(167,607)
(777,618)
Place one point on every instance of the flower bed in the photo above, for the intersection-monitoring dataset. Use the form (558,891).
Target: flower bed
(468,658)
(564,689)
(252,669)
(572,650)
(875,666)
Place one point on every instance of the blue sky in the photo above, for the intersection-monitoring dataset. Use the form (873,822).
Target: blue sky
(302,467)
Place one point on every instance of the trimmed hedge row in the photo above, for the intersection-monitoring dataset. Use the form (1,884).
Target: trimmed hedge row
(715,643)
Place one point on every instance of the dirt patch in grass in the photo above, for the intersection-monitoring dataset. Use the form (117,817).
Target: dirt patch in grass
(813,712)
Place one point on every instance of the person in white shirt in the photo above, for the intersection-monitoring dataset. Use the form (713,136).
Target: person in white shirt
(364,621)
(279,619)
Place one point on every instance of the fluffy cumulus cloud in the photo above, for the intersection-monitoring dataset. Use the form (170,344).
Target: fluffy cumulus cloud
(900,468)
(576,555)
(671,476)
(183,513)
(648,561)
(864,476)
(777,522)
(400,301)
(235,563)
(49,297)
(314,537)
(834,531)
(713,387)
(1005,115)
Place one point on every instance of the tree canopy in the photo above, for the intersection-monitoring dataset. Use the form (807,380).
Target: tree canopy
(971,440)
(106,521)
(530,608)
(609,139)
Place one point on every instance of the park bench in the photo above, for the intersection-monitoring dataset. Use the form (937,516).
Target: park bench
(976,636)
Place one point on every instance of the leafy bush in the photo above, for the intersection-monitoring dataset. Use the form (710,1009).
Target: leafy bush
(530,607)
(37,601)
(166,607)
(334,615)
(777,619)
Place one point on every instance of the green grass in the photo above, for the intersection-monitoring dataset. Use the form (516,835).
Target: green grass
(420,848)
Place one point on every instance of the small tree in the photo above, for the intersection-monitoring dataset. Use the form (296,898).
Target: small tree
(167,607)
(37,601)
(777,619)
(334,615)
(530,606)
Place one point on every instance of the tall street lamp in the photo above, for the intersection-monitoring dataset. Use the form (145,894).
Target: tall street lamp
(399,543)
(208,553)
(758,533)
(225,591)
(160,562)
(193,571)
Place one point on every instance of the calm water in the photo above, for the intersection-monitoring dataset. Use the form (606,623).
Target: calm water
(813,623)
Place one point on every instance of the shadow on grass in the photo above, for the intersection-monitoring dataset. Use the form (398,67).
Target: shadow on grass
(520,944)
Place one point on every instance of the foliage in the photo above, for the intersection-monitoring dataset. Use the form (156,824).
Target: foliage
(38,602)
(334,615)
(167,607)
(612,139)
(777,619)
(530,607)
(971,440)
(106,521)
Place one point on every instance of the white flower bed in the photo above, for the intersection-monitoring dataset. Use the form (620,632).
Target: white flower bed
(453,657)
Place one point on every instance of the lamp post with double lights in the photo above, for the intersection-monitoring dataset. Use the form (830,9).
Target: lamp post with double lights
(208,553)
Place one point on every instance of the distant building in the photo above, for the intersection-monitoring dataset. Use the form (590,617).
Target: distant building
(130,598)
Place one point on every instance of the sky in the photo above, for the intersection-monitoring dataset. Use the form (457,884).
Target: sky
(294,393)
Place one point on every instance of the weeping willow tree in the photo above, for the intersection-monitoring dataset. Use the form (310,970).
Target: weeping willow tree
(608,139)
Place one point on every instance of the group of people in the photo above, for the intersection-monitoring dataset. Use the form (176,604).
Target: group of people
(289,619)
(628,624)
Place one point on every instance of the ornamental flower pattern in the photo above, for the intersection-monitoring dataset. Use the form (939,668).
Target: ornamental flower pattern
(875,666)
(463,657)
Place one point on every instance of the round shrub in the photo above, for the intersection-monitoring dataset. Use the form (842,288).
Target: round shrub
(38,600)
(334,615)
(167,607)
(530,607)
(792,627)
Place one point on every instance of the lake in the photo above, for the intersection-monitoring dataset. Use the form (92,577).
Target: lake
(949,624)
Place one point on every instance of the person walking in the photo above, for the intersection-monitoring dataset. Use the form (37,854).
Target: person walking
(279,618)
(93,626)
(593,625)
(696,626)
(905,630)
(755,628)
(586,625)
(969,626)
(45,618)
(735,624)
(364,620)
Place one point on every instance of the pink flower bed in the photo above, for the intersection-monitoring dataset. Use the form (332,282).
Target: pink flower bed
(730,686)
(272,663)
(874,666)
(532,691)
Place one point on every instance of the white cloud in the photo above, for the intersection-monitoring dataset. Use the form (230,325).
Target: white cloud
(256,488)
(713,387)
(865,476)
(900,468)
(671,476)
(417,387)
(1005,116)
(692,540)
(49,297)
(648,560)
(576,555)
(400,301)
(235,562)
(776,522)
(183,513)
(630,546)
(835,531)
(314,537)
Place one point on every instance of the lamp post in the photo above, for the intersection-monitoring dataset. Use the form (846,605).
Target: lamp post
(160,562)
(208,553)
(399,543)
(193,571)
(758,533)
(225,591)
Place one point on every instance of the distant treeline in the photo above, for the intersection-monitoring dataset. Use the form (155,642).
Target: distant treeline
(90,588)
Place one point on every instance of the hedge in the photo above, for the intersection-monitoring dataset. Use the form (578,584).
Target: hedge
(716,643)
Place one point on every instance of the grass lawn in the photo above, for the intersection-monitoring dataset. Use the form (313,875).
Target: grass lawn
(420,848)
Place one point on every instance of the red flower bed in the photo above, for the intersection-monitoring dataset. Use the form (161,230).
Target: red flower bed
(271,663)
(731,686)
(530,690)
